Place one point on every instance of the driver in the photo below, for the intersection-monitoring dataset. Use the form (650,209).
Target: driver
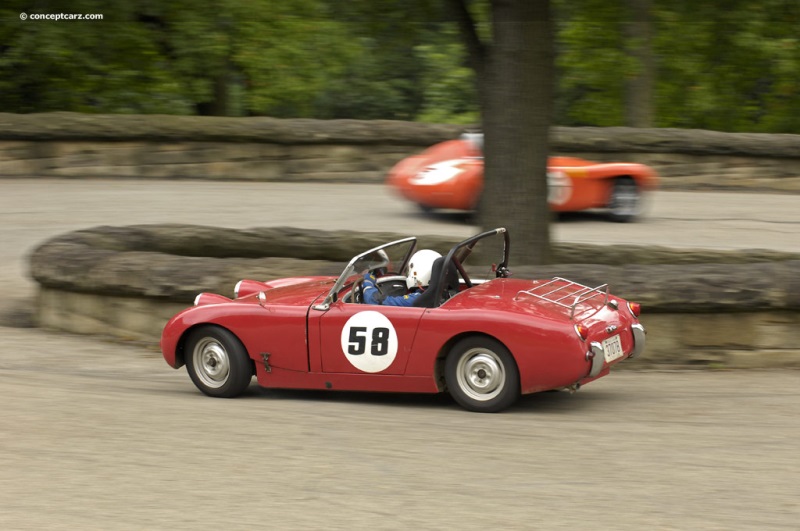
(419,276)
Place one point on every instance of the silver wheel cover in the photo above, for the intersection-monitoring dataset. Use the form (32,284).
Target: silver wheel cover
(211,363)
(480,374)
(625,199)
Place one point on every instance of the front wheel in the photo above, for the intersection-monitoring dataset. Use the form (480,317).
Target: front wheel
(481,375)
(217,362)
(625,202)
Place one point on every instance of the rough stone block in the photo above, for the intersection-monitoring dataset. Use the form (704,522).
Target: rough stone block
(14,151)
(777,330)
(719,330)
(763,359)
(18,168)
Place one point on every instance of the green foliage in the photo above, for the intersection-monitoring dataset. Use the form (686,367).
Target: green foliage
(739,69)
(367,89)
(382,77)
(287,52)
(730,65)
(232,57)
(109,65)
(448,85)
(591,63)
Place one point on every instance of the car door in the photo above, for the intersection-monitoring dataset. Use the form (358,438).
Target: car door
(366,339)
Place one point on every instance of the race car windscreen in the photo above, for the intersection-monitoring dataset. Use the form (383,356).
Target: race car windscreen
(387,260)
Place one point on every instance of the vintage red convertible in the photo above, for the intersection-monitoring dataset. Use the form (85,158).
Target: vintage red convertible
(449,175)
(482,336)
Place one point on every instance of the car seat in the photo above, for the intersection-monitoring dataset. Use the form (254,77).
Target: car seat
(428,299)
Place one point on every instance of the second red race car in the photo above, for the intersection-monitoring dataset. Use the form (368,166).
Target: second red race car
(475,333)
(449,175)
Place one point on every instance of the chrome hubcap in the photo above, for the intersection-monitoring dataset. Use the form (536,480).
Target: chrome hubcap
(626,200)
(211,362)
(480,374)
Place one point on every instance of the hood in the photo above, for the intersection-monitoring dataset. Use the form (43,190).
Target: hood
(299,291)
(302,293)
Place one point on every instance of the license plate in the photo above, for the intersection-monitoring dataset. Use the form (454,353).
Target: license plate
(612,348)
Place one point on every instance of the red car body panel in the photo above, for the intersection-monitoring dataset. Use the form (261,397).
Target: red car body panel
(277,329)
(449,175)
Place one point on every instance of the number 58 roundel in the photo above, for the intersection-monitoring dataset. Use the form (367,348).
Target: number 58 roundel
(369,341)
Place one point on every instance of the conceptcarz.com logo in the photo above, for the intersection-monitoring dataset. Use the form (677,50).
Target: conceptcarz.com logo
(61,16)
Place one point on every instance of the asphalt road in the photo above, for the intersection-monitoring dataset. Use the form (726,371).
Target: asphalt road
(97,435)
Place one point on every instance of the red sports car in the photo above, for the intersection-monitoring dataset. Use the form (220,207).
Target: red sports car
(484,340)
(449,175)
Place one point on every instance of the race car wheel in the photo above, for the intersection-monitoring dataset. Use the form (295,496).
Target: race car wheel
(624,203)
(217,362)
(481,375)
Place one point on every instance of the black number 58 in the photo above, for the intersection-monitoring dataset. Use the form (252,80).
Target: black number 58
(357,342)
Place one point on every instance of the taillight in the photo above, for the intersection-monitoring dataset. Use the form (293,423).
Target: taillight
(582,332)
(635,308)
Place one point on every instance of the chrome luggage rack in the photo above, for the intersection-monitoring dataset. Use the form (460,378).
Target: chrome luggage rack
(560,295)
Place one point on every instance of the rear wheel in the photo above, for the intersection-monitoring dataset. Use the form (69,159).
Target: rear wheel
(482,375)
(425,209)
(217,362)
(625,202)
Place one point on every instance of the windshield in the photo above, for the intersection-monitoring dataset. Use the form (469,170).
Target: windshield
(466,259)
(387,259)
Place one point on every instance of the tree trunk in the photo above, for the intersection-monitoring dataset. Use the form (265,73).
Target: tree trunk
(219,104)
(639,88)
(516,105)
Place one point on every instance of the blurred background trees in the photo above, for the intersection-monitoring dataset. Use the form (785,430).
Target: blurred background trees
(728,65)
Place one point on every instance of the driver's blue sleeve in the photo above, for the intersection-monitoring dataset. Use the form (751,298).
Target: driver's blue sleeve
(373,296)
(401,300)
(370,291)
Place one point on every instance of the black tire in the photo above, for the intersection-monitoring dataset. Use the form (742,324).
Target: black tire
(481,375)
(217,362)
(625,200)
(425,209)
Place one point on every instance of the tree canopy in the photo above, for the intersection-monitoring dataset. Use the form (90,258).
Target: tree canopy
(728,65)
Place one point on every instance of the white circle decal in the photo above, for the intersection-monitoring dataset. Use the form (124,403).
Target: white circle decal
(559,187)
(438,173)
(369,341)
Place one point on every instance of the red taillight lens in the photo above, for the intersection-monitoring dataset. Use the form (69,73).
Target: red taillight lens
(635,308)
(582,332)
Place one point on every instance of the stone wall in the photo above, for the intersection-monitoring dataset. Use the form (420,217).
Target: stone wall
(732,309)
(252,161)
(189,147)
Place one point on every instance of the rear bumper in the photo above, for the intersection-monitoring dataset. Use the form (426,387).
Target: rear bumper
(597,355)
(639,340)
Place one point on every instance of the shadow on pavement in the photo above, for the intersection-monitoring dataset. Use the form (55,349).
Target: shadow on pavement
(553,402)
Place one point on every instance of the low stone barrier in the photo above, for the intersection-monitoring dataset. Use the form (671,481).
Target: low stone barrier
(726,309)
(72,145)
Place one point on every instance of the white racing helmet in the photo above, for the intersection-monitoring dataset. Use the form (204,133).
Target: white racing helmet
(419,268)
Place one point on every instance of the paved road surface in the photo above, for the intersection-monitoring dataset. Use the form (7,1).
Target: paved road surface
(95,435)
(102,436)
